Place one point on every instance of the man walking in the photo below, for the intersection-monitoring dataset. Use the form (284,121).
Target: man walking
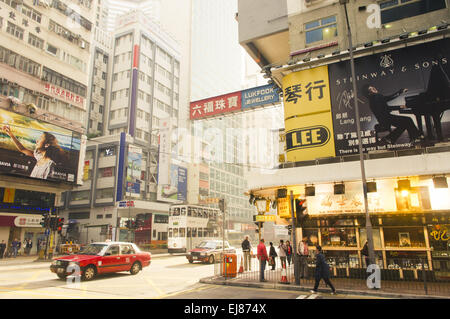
(282,253)
(262,257)
(303,253)
(322,271)
(15,245)
(246,249)
(365,253)
(2,248)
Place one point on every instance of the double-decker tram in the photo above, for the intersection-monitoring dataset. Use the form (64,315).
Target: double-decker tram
(189,225)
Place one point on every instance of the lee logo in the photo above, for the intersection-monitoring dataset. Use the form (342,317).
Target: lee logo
(307,137)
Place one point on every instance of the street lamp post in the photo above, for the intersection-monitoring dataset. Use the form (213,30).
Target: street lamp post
(369,232)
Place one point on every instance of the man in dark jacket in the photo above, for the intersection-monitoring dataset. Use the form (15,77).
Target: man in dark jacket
(365,253)
(2,248)
(382,111)
(322,271)
(272,255)
(246,250)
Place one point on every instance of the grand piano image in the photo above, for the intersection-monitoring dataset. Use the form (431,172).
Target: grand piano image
(432,103)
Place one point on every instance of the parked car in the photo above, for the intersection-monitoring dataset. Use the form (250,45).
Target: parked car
(209,251)
(100,258)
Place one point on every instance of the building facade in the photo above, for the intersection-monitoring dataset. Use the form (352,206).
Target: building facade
(45,61)
(408,181)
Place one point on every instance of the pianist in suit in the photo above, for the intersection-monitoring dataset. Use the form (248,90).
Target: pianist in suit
(382,111)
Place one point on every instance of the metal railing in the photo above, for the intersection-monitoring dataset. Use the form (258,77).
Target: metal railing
(402,275)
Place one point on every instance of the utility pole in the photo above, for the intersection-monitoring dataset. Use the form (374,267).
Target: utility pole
(294,253)
(369,232)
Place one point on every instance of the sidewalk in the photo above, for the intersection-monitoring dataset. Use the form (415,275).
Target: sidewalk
(343,286)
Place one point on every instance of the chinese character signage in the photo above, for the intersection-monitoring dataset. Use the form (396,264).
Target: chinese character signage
(307,113)
(66,95)
(36,149)
(398,91)
(217,105)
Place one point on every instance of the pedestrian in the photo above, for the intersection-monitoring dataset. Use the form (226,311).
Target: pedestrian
(29,246)
(288,252)
(247,250)
(262,257)
(365,253)
(2,248)
(15,246)
(282,253)
(322,271)
(303,253)
(272,255)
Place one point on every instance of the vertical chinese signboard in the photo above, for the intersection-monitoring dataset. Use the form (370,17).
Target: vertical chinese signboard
(307,114)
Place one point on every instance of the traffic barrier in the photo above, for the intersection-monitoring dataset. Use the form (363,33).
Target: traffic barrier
(284,279)
(241,269)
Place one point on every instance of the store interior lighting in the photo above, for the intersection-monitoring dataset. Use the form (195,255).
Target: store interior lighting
(440,182)
(404,184)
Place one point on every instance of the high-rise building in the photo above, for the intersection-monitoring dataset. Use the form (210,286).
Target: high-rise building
(45,50)
(121,164)
(116,8)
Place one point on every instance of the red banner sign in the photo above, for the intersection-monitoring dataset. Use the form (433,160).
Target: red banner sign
(216,105)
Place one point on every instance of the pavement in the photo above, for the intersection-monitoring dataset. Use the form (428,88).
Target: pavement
(273,282)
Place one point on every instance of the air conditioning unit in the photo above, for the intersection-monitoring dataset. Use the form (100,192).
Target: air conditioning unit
(83,45)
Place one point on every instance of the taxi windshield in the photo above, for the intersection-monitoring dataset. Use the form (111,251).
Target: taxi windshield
(92,249)
(207,244)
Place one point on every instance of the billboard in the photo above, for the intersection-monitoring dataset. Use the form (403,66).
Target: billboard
(36,149)
(259,96)
(398,92)
(176,190)
(134,167)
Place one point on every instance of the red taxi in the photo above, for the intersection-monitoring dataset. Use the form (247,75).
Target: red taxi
(100,258)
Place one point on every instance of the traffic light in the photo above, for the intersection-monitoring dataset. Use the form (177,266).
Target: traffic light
(44,220)
(259,225)
(60,225)
(300,215)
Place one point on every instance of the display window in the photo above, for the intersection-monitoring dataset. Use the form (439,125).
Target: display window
(439,237)
(404,237)
(406,260)
(312,235)
(338,237)
(376,237)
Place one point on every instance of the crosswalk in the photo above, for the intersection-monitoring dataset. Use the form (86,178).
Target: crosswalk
(313,296)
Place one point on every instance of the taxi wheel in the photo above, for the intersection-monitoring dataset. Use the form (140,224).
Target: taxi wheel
(135,268)
(191,261)
(211,259)
(89,273)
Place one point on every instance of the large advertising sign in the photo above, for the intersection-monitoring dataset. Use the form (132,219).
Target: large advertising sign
(398,91)
(216,105)
(134,170)
(176,190)
(307,113)
(36,149)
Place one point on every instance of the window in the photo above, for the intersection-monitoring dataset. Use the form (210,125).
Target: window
(112,251)
(319,30)
(31,13)
(394,10)
(51,49)
(100,109)
(19,62)
(14,30)
(35,41)
(99,216)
